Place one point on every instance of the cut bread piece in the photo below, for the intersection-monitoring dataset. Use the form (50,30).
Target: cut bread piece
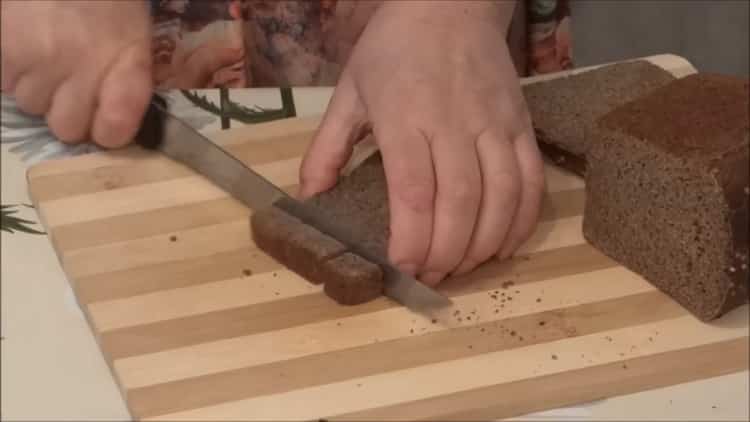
(359,201)
(667,190)
(351,279)
(562,108)
(296,245)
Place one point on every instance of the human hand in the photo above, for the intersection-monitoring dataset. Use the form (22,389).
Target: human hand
(439,89)
(84,65)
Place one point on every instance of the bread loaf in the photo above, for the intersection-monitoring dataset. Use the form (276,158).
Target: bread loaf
(562,108)
(667,190)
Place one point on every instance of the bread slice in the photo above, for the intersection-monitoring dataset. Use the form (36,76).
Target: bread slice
(667,190)
(562,108)
(358,201)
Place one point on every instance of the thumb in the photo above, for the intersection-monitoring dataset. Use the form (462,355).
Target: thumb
(343,125)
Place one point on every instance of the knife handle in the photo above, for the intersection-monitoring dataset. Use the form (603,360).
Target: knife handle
(151,131)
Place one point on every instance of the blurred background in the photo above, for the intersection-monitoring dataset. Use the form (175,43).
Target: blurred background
(712,34)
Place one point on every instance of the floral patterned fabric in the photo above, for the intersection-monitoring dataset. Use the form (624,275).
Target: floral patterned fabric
(261,43)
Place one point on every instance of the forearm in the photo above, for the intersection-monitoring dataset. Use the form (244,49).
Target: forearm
(449,12)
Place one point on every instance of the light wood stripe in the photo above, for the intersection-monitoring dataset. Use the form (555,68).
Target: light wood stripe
(152,196)
(195,300)
(149,169)
(286,313)
(167,221)
(171,275)
(576,386)
(247,320)
(423,382)
(122,157)
(359,330)
(194,243)
(170,220)
(404,353)
(158,168)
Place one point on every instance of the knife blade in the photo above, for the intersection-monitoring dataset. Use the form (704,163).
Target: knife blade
(164,132)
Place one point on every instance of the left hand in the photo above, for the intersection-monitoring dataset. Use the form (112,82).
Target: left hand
(438,87)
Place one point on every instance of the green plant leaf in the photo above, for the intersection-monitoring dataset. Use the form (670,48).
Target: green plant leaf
(11,223)
(233,110)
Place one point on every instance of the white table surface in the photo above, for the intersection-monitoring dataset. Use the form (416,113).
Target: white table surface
(53,370)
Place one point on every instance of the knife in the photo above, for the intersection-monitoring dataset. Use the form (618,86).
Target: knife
(161,131)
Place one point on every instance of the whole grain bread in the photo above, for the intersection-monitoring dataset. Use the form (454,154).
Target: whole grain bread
(667,190)
(562,108)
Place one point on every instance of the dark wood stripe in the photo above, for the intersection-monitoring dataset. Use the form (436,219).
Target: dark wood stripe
(572,387)
(88,234)
(157,169)
(242,321)
(172,275)
(163,221)
(403,353)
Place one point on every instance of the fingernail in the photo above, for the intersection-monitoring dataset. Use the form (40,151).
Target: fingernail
(432,278)
(407,268)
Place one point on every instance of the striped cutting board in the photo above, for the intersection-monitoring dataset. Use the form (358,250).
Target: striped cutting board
(197,324)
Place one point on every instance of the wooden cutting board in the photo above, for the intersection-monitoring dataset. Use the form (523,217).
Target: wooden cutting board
(196,323)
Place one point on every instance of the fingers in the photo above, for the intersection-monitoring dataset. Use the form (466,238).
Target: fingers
(123,98)
(501,192)
(332,145)
(33,92)
(411,191)
(457,200)
(69,116)
(532,192)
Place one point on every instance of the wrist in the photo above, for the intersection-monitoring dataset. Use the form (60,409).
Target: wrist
(498,13)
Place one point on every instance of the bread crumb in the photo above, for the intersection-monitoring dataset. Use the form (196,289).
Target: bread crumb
(507,284)
(541,323)
(538,300)
(434,321)
(173,238)
(512,333)
(554,357)
(247,272)
(732,269)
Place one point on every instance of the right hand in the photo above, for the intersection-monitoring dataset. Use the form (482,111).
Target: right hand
(84,65)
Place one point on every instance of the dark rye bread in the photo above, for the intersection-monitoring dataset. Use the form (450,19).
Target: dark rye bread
(667,190)
(351,279)
(359,201)
(562,108)
(348,279)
